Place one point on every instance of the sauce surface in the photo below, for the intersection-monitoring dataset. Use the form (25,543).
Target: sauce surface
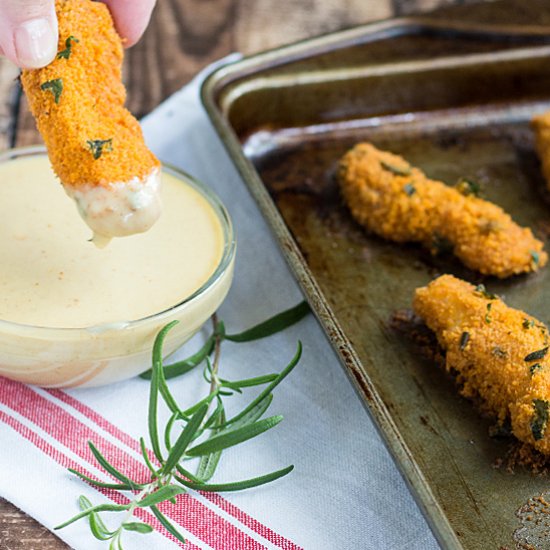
(52,275)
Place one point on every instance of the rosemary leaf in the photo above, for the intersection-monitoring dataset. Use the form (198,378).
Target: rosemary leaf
(282,375)
(252,415)
(166,492)
(186,365)
(534,368)
(138,527)
(273,325)
(464,339)
(98,146)
(97,527)
(536,355)
(154,390)
(240,485)
(207,466)
(115,486)
(146,457)
(234,437)
(488,314)
(395,170)
(111,469)
(409,189)
(184,440)
(186,473)
(208,463)
(168,430)
(213,419)
(167,525)
(541,409)
(66,53)
(93,520)
(468,187)
(98,508)
(249,382)
(194,408)
(54,86)
(482,291)
(157,365)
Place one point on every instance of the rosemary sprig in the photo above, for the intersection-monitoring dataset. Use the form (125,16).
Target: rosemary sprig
(203,433)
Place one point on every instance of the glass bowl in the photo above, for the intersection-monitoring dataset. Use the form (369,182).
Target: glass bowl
(111,352)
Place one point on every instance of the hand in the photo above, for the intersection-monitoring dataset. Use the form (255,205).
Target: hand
(28,28)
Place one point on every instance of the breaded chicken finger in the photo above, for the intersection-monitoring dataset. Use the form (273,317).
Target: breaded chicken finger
(398,202)
(500,354)
(95,145)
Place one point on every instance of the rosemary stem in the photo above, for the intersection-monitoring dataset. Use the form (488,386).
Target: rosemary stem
(215,381)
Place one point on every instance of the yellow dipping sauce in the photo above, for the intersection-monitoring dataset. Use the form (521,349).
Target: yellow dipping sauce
(52,276)
(72,314)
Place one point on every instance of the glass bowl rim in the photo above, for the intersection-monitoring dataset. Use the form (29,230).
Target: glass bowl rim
(225,262)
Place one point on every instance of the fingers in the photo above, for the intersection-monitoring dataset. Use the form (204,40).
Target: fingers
(131,17)
(28,32)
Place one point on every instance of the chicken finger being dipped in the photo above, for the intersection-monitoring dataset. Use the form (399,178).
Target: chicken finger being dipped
(95,145)
(500,354)
(398,202)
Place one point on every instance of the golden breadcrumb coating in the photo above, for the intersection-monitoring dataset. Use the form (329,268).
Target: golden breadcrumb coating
(78,100)
(500,354)
(398,202)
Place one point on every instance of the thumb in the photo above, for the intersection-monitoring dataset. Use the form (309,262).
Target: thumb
(28,32)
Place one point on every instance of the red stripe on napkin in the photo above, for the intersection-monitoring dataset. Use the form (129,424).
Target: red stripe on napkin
(191,514)
(66,462)
(250,522)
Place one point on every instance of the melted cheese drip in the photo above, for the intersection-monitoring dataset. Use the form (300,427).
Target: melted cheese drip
(51,275)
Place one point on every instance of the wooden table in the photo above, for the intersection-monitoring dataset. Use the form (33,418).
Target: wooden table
(184,36)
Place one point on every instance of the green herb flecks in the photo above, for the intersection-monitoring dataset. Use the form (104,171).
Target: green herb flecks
(396,170)
(468,187)
(201,431)
(482,291)
(535,257)
(55,87)
(464,339)
(66,53)
(536,355)
(100,146)
(535,367)
(409,189)
(488,314)
(499,352)
(528,323)
(540,418)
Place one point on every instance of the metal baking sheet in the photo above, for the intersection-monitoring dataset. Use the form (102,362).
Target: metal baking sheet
(454,98)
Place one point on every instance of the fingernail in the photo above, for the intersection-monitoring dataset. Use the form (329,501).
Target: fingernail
(35,43)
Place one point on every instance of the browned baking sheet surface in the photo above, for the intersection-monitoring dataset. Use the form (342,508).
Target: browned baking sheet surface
(457,104)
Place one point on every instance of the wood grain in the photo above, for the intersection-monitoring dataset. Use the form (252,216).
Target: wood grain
(184,36)
(8,97)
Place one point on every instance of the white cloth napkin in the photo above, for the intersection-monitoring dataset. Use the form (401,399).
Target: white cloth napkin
(345,491)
